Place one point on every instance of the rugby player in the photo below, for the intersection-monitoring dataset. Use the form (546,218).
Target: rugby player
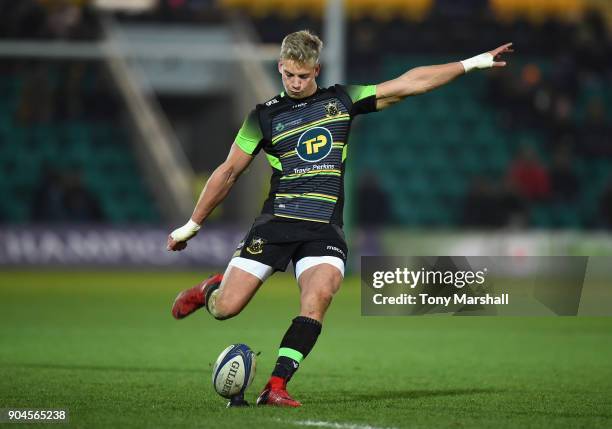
(304,133)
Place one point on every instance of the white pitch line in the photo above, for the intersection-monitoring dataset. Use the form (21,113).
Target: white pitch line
(334,425)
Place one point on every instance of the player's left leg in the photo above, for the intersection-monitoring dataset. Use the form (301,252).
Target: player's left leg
(319,279)
(318,285)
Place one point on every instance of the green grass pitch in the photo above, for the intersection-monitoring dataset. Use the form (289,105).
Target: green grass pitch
(104,346)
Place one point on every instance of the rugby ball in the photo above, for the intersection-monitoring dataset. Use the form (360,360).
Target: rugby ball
(234,370)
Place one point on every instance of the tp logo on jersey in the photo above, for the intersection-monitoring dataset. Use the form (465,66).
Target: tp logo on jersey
(314,144)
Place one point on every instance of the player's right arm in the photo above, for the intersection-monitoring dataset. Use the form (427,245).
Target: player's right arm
(220,183)
(216,189)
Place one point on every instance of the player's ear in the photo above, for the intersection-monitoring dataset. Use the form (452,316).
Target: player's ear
(280,66)
(317,70)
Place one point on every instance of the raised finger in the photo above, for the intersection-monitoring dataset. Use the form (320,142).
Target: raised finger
(504,48)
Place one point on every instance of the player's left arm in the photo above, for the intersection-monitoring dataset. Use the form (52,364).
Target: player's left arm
(420,80)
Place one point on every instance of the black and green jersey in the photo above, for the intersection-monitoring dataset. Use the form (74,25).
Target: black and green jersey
(305,141)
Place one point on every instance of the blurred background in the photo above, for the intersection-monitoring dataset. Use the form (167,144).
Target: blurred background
(113,113)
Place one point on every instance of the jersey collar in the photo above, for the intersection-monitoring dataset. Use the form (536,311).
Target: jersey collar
(301,100)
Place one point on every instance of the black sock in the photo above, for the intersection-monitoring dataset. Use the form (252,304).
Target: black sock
(208,290)
(298,341)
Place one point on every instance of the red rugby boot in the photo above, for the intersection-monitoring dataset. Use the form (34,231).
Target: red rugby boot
(192,299)
(275,393)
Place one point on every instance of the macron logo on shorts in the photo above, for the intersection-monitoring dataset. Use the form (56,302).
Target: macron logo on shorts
(335,249)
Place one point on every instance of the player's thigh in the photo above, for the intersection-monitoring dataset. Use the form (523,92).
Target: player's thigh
(318,285)
(325,275)
(237,288)
(319,264)
(241,280)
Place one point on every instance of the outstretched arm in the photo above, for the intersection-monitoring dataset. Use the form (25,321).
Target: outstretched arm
(420,80)
(216,189)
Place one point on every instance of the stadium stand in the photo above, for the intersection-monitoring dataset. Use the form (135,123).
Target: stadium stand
(432,156)
(64,155)
(429,151)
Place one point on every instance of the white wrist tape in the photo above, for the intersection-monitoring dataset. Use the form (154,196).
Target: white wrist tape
(186,231)
(482,61)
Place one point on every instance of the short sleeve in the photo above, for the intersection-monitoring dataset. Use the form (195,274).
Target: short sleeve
(249,136)
(363,98)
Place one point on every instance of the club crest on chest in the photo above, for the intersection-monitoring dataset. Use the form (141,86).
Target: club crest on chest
(331,109)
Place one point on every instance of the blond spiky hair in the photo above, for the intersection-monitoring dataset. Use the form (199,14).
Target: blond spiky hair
(302,47)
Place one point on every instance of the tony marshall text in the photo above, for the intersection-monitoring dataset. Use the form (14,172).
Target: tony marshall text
(455,299)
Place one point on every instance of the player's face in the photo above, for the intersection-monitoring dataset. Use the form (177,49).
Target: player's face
(298,79)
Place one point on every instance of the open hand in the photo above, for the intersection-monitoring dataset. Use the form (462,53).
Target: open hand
(497,54)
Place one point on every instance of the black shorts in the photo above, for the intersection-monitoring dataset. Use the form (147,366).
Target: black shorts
(275,241)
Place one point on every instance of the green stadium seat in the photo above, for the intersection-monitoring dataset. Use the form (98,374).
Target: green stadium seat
(540,217)
(98,149)
(447,137)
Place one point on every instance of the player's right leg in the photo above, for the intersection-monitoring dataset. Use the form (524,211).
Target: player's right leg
(194,298)
(262,252)
(244,279)
(224,296)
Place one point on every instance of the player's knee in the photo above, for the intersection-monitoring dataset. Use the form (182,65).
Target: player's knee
(327,295)
(332,286)
(322,296)
(223,309)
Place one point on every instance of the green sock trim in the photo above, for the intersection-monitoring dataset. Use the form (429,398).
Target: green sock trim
(291,354)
